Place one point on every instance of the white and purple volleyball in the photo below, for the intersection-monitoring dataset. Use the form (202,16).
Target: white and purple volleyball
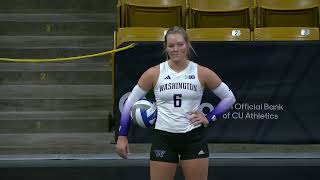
(144,113)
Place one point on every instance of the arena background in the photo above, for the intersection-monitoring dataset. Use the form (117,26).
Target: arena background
(57,119)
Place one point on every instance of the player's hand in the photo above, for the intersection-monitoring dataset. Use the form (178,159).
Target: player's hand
(122,147)
(198,118)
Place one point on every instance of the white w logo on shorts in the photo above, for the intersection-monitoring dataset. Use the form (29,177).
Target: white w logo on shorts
(159,153)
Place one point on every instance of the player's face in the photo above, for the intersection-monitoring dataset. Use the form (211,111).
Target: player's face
(176,47)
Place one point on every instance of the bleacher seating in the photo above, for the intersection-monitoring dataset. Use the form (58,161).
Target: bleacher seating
(140,34)
(285,34)
(287,13)
(219,34)
(151,13)
(220,14)
(219,20)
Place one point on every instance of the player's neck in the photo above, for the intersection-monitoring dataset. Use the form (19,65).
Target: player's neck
(178,66)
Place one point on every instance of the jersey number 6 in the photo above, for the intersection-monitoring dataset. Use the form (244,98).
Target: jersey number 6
(177,100)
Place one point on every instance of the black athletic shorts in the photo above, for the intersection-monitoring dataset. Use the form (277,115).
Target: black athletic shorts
(170,147)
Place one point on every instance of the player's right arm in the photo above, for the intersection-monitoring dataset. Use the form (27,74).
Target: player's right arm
(145,83)
(149,78)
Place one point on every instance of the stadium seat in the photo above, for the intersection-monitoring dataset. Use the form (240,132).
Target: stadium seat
(220,14)
(285,34)
(151,13)
(287,13)
(219,34)
(132,34)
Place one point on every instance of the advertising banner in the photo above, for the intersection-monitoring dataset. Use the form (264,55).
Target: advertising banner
(276,85)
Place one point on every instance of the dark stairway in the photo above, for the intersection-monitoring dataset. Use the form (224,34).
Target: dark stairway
(58,107)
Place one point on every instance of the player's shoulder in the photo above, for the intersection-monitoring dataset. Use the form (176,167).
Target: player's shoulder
(207,74)
(155,68)
(153,71)
(204,70)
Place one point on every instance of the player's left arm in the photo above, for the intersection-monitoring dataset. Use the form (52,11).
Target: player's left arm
(211,80)
(221,90)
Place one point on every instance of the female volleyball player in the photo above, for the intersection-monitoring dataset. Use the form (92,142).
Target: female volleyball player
(178,136)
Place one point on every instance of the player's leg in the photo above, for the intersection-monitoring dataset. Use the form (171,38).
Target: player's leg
(195,169)
(162,170)
(163,158)
(195,155)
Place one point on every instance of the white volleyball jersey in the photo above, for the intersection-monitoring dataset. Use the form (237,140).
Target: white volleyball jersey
(177,94)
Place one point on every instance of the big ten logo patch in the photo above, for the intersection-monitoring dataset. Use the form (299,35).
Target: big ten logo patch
(190,76)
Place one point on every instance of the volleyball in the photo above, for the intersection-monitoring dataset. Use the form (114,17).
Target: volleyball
(144,113)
